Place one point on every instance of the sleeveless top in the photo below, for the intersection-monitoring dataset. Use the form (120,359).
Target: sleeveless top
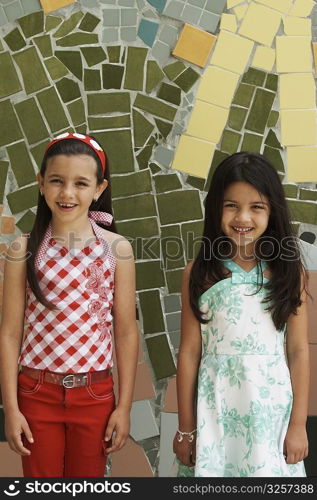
(77,336)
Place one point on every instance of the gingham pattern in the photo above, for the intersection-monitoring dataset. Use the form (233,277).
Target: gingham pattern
(76,337)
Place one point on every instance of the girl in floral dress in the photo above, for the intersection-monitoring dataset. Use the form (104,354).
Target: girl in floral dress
(242,406)
(66,281)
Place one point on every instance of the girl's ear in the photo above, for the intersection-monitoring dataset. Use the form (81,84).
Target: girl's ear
(100,189)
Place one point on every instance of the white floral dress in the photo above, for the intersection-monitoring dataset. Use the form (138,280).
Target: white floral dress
(244,397)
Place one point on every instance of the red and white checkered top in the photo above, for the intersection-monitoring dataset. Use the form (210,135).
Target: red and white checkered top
(77,336)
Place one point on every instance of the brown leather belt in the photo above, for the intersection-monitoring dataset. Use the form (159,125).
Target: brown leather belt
(69,380)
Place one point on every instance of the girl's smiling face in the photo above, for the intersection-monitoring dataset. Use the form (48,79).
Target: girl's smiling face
(245,214)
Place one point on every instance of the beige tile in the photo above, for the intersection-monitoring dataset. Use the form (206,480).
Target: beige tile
(170,401)
(217,86)
(297,26)
(298,127)
(297,91)
(302,8)
(144,388)
(10,462)
(194,45)
(51,5)
(228,22)
(7,225)
(293,54)
(232,52)
(240,11)
(280,5)
(233,3)
(260,24)
(312,402)
(193,156)
(264,58)
(131,461)
(312,306)
(302,164)
(207,121)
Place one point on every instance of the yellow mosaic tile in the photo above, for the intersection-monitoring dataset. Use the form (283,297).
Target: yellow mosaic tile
(207,121)
(51,5)
(302,164)
(293,54)
(297,91)
(260,24)
(194,45)
(280,5)
(298,127)
(302,8)
(232,52)
(264,58)
(193,156)
(297,26)
(240,11)
(228,22)
(217,86)
(233,3)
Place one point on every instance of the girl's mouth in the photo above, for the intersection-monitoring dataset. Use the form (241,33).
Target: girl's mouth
(66,206)
(242,230)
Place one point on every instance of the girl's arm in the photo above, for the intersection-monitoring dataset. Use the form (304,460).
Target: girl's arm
(296,444)
(11,332)
(186,379)
(126,343)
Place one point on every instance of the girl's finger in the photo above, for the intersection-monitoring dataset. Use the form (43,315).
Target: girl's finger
(109,432)
(27,432)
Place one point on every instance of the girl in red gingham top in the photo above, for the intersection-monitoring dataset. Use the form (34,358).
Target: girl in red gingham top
(71,283)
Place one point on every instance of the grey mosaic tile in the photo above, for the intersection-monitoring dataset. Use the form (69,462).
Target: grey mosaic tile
(169,35)
(161,52)
(111,17)
(172,303)
(173,322)
(164,156)
(191,14)
(209,21)
(110,35)
(13,11)
(128,17)
(128,34)
(216,6)
(31,6)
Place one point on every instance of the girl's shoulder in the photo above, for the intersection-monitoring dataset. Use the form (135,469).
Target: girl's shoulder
(120,245)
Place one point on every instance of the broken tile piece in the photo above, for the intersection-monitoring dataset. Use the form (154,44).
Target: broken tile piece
(10,130)
(209,21)
(271,82)
(169,93)
(160,356)
(260,110)
(163,127)
(52,22)
(155,107)
(72,60)
(143,424)
(101,103)
(228,22)
(89,22)
(230,141)
(293,54)
(153,321)
(272,140)
(106,122)
(298,127)
(35,129)
(302,8)
(142,129)
(264,58)
(21,163)
(232,3)
(207,121)
(236,117)
(134,68)
(147,31)
(193,156)
(77,112)
(93,55)
(68,25)
(118,146)
(174,69)
(44,45)
(251,143)
(254,77)
(4,165)
(112,75)
(243,95)
(51,5)
(32,24)
(187,79)
(132,460)
(77,39)
(297,26)
(274,115)
(217,86)
(232,52)
(301,164)
(92,79)
(68,89)
(23,198)
(15,40)
(240,11)
(55,68)
(282,6)
(260,24)
(11,83)
(33,80)
(297,91)
(154,75)
(26,222)
(194,45)
(53,109)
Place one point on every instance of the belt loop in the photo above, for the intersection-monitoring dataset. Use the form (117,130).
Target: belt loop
(89,379)
(41,377)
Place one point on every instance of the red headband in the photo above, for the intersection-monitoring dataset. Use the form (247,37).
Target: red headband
(83,138)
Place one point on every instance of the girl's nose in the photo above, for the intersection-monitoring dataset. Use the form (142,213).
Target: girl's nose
(67,190)
(243,216)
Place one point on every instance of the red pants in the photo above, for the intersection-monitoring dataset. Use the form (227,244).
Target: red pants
(68,427)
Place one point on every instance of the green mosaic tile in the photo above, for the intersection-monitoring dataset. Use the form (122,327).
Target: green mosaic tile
(230,141)
(112,75)
(92,79)
(172,247)
(260,110)
(251,143)
(22,199)
(236,117)
(155,107)
(169,93)
(274,156)
(33,80)
(21,164)
(254,77)
(173,70)
(154,168)
(168,182)
(68,89)
(10,130)
(144,156)
(272,140)
(196,182)
(93,55)
(32,24)
(44,45)
(72,60)
(303,211)
(101,103)
(89,22)
(163,127)
(141,228)
(11,83)
(134,68)
(306,194)
(77,112)
(82,129)
(52,22)
(160,356)
(174,280)
(142,129)
(114,52)
(271,82)
(53,109)
(179,206)
(26,222)
(191,235)
(68,25)
(187,79)
(290,190)
(138,206)
(55,68)
(76,39)
(152,314)
(38,152)
(243,95)
(273,117)
(118,147)
(35,129)
(149,275)
(218,157)
(4,165)
(125,185)
(154,75)
(15,40)
(106,122)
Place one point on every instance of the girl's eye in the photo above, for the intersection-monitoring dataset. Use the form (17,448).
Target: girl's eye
(230,205)
(258,206)
(55,180)
(80,183)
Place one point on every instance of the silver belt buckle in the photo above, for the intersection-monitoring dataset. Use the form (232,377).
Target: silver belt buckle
(69,381)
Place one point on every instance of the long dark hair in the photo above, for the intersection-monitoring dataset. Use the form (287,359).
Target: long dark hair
(287,270)
(68,147)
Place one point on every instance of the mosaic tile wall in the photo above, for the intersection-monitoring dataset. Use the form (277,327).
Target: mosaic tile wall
(170,88)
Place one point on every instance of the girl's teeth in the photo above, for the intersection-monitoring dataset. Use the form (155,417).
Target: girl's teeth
(242,230)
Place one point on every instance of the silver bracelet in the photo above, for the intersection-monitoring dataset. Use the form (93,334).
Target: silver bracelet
(190,435)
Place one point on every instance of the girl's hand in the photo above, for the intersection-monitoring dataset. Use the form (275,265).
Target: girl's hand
(185,451)
(15,426)
(119,423)
(295,444)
